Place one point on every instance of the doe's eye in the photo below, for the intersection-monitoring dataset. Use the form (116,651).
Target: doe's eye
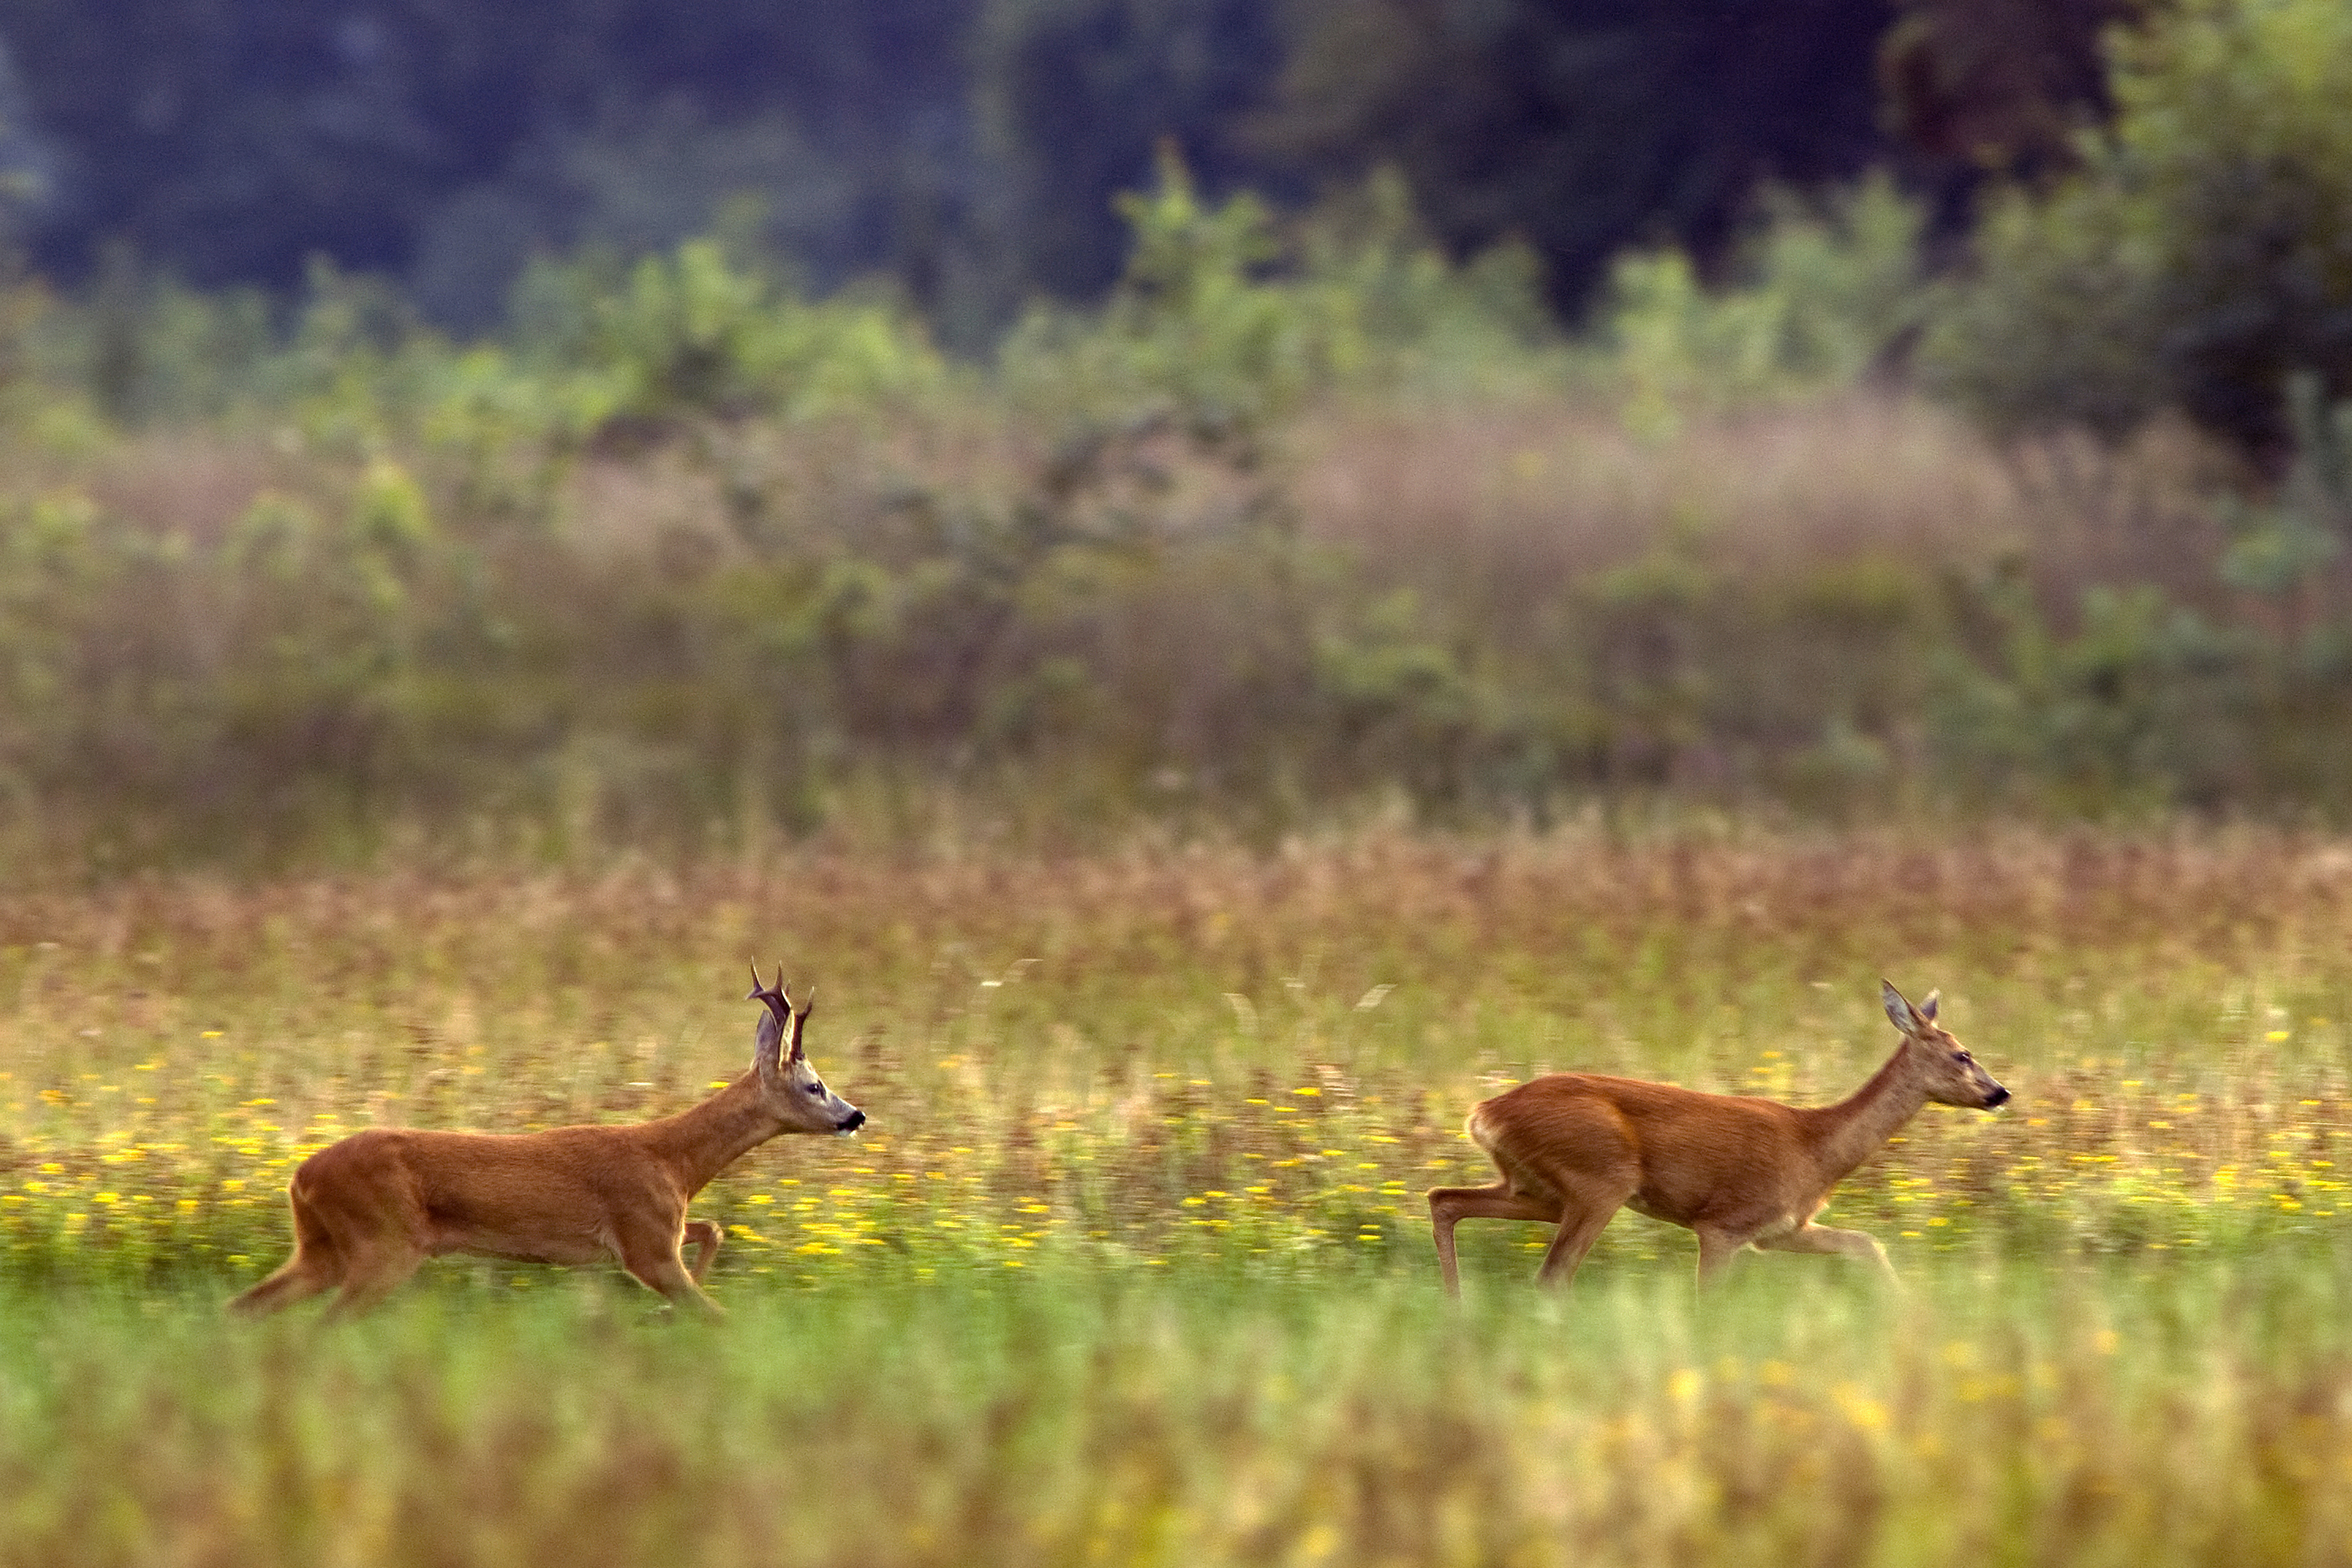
(817,1089)
(1963,1056)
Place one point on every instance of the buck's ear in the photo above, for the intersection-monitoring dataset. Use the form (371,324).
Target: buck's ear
(1899,1012)
(1927,1006)
(764,1056)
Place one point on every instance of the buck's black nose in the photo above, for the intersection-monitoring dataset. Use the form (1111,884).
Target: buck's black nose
(1998,1096)
(852,1123)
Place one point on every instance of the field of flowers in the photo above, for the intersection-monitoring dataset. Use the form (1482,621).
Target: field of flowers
(1132,1265)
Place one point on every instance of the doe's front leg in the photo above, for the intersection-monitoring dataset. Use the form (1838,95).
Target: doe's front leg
(1860,1246)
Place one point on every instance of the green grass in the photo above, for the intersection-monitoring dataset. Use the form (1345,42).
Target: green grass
(2178,1411)
(1133,1267)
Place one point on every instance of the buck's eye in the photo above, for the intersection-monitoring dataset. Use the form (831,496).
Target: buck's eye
(817,1089)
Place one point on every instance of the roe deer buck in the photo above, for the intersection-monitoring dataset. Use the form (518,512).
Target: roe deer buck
(1740,1172)
(369,1209)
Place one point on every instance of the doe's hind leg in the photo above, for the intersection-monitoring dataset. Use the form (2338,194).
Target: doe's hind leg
(1448,1206)
(1590,1202)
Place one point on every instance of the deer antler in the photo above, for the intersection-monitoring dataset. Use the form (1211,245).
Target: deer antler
(777,996)
(797,1016)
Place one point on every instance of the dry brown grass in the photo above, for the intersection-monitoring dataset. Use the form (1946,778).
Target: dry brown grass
(1511,506)
(1512,502)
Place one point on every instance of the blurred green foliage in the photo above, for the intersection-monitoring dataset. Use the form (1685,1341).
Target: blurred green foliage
(1230,323)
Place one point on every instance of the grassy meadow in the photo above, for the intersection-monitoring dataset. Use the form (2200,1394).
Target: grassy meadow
(1195,749)
(1131,1264)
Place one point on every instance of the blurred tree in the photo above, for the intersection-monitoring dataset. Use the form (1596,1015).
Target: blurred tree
(1996,85)
(1582,128)
(1076,95)
(230,140)
(2199,258)
(971,148)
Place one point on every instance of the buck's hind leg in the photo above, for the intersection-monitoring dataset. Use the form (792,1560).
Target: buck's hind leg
(1450,1204)
(704,1237)
(377,1215)
(299,1279)
(316,1264)
(373,1270)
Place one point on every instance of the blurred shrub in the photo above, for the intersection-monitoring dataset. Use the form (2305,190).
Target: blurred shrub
(2197,257)
(2145,703)
(1196,326)
(1227,324)
(2281,548)
(701,334)
(1818,296)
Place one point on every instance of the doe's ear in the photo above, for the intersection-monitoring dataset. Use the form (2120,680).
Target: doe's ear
(1899,1012)
(1927,1006)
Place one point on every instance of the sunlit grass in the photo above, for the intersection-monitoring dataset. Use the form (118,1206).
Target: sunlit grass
(1187,1054)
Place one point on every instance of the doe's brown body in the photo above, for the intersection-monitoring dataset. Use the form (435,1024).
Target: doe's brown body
(1573,1148)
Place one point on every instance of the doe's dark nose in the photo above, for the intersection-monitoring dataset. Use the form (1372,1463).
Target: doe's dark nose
(857,1119)
(1998,1096)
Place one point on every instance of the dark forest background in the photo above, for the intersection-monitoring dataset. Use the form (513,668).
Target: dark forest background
(971,150)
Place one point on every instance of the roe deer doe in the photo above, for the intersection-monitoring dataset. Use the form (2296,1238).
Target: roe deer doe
(369,1208)
(1574,1147)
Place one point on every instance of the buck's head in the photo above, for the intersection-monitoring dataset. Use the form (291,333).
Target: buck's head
(788,1085)
(1950,1074)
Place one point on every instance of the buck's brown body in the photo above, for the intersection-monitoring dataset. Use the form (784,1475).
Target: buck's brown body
(369,1209)
(1573,1148)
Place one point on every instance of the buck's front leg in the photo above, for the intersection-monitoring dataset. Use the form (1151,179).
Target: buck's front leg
(651,1256)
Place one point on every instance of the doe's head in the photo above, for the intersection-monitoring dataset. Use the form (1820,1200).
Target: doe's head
(789,1087)
(1952,1075)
